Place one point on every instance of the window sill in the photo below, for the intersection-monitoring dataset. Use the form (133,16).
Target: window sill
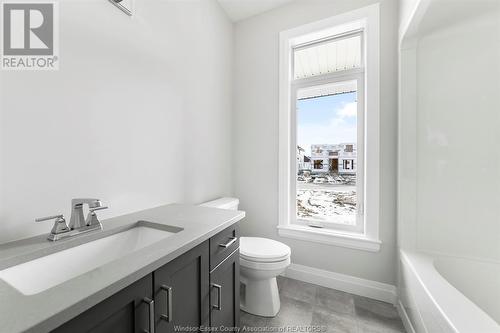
(330,237)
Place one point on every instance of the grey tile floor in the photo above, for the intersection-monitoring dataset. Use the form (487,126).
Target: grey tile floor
(304,304)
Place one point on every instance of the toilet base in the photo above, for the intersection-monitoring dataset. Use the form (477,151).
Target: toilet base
(260,297)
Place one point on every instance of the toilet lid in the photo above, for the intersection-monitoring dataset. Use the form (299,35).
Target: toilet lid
(263,249)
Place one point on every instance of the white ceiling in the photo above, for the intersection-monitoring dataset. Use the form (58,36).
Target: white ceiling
(238,10)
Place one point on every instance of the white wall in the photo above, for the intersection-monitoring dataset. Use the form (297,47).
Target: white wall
(138,115)
(255,134)
(406,9)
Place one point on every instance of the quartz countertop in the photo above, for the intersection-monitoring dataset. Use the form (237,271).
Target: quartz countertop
(49,309)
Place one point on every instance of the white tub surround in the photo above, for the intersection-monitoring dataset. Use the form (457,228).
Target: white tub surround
(447,294)
(449,165)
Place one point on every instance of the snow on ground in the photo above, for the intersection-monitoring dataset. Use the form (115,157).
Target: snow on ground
(327,179)
(327,197)
(323,204)
(327,200)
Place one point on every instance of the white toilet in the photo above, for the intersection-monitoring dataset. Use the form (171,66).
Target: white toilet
(261,260)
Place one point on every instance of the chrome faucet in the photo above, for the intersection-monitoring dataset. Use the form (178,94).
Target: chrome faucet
(77,224)
(77,220)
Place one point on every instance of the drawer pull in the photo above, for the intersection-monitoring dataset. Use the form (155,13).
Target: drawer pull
(151,308)
(168,303)
(219,296)
(231,242)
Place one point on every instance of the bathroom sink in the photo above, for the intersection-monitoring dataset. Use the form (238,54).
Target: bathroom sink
(40,274)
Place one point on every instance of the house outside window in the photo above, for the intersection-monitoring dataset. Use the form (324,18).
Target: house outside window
(329,96)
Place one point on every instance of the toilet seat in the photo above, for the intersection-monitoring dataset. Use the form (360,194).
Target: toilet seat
(263,250)
(265,266)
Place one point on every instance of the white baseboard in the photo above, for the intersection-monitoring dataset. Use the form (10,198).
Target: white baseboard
(350,284)
(404,317)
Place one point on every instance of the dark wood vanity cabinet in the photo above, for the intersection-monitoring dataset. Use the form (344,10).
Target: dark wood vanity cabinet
(181,290)
(225,293)
(189,292)
(127,311)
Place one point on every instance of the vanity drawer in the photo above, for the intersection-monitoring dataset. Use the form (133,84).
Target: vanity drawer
(223,244)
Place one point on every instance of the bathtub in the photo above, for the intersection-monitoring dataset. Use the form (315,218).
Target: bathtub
(446,294)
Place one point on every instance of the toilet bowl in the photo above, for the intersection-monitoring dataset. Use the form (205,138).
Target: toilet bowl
(261,261)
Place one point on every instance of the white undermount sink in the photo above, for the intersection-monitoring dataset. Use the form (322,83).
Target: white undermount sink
(40,274)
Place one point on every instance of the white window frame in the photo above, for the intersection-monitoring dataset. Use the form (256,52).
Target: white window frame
(367,19)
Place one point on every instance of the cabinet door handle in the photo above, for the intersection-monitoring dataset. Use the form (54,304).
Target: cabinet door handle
(228,244)
(219,297)
(151,308)
(168,303)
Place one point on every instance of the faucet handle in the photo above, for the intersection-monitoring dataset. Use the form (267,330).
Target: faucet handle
(92,217)
(98,208)
(41,219)
(60,225)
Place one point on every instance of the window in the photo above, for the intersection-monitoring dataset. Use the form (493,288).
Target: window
(318,164)
(348,165)
(329,107)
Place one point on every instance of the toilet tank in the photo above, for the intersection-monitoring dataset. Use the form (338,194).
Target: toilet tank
(223,203)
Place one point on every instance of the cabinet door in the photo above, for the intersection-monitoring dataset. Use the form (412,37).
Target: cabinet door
(225,293)
(124,312)
(181,291)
